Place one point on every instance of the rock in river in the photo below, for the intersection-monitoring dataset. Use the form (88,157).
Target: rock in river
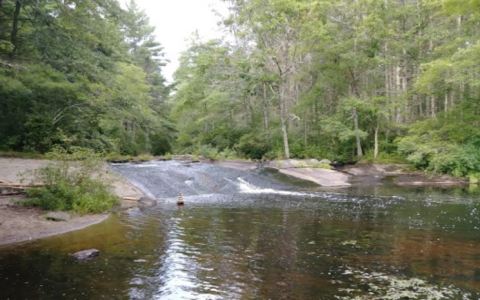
(86,254)
(147,202)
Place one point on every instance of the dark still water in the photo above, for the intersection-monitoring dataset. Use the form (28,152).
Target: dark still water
(257,235)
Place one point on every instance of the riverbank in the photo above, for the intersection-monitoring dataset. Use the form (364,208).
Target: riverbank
(309,170)
(19,223)
(403,175)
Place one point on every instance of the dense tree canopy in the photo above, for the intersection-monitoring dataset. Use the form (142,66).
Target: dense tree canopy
(344,80)
(338,79)
(80,73)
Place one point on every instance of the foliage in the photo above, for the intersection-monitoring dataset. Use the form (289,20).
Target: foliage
(337,80)
(448,144)
(385,158)
(72,183)
(81,73)
(253,146)
(334,79)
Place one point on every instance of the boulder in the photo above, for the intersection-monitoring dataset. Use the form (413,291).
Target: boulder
(147,202)
(58,216)
(320,176)
(285,164)
(313,161)
(86,254)
(325,162)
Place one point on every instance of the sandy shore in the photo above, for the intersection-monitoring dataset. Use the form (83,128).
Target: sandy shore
(19,224)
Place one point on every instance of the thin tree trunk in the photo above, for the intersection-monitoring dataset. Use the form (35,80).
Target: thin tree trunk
(265,109)
(251,110)
(375,148)
(420,107)
(305,129)
(13,36)
(284,121)
(433,109)
(445,104)
(285,138)
(398,88)
(357,133)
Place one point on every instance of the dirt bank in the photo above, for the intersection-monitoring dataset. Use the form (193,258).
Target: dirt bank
(18,223)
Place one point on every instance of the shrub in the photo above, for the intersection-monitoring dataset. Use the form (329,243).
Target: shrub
(143,157)
(449,144)
(72,183)
(208,152)
(254,146)
(227,153)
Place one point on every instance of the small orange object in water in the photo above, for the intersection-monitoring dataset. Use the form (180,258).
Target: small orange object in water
(180,201)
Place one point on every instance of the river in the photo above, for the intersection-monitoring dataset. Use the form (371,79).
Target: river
(260,235)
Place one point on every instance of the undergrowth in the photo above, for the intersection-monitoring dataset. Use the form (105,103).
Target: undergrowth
(72,182)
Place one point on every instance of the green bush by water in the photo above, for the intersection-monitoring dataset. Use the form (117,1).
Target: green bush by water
(72,183)
(89,196)
(448,144)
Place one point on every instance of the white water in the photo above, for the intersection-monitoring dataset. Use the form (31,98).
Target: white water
(248,188)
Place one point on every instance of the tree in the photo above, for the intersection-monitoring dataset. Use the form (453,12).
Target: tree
(66,65)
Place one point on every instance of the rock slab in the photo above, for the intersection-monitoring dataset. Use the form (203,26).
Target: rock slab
(323,177)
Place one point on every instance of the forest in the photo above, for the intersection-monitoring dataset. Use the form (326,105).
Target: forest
(346,80)
(81,74)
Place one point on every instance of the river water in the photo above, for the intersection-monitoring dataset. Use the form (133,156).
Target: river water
(260,235)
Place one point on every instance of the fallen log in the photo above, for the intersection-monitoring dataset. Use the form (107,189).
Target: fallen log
(20,186)
(130,198)
(10,189)
(17,193)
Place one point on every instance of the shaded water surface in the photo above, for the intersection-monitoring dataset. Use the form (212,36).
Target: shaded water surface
(258,235)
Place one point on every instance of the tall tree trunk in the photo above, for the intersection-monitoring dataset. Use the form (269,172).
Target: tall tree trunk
(251,110)
(286,148)
(284,117)
(398,89)
(445,104)
(357,133)
(284,125)
(386,75)
(375,147)
(420,107)
(265,109)
(13,36)
(305,129)
(433,108)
